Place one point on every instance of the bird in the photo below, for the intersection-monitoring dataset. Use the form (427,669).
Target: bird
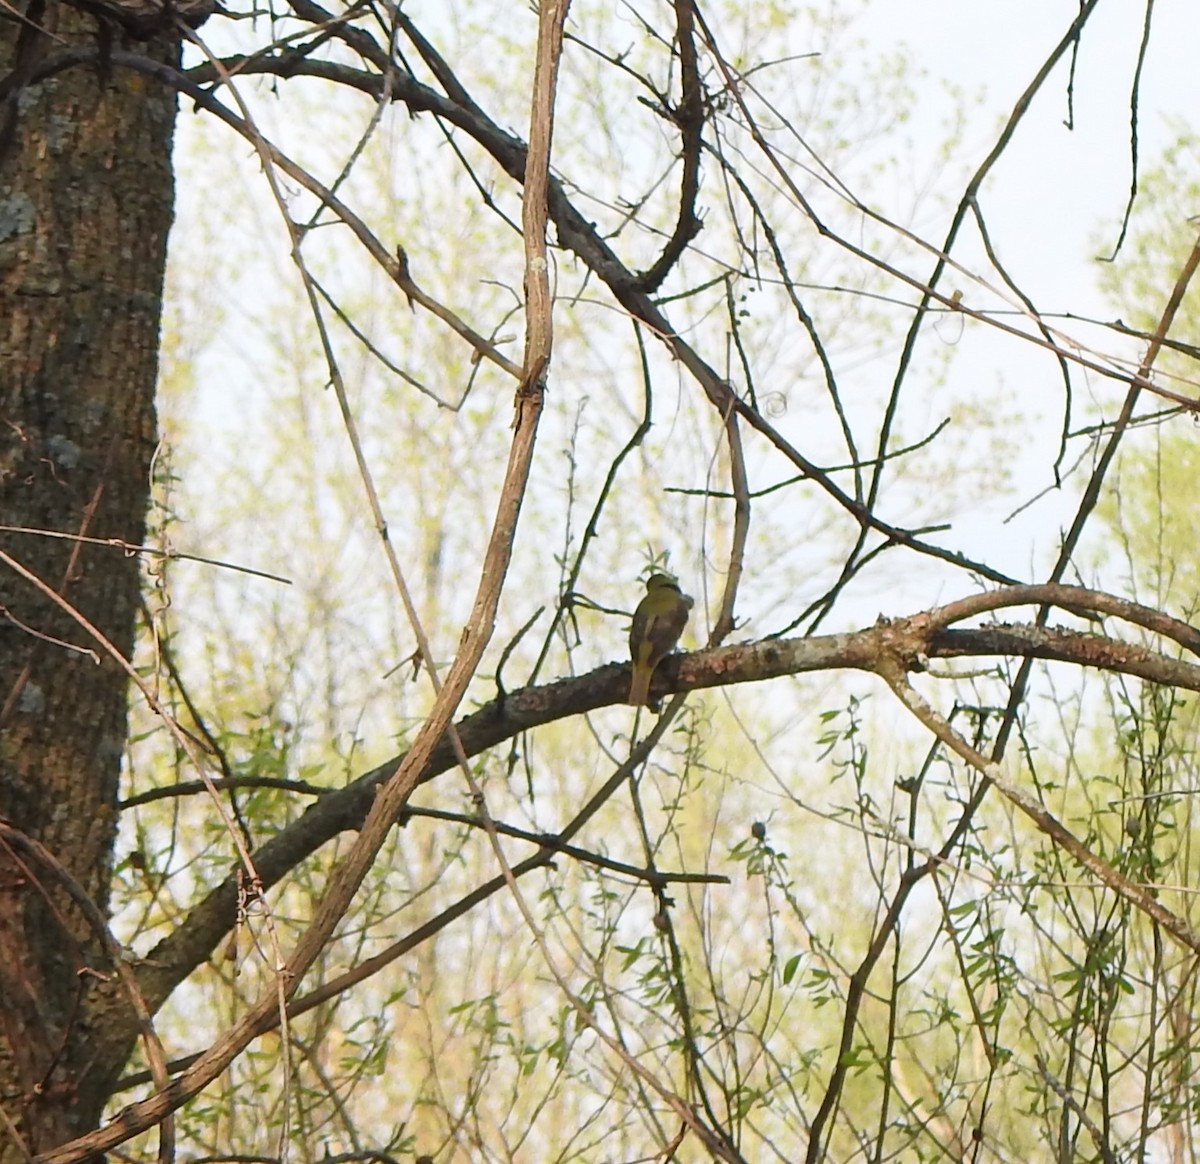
(657,624)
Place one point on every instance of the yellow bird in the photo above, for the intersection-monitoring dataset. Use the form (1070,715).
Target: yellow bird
(657,624)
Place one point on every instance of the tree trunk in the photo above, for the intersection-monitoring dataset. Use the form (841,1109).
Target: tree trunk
(86,196)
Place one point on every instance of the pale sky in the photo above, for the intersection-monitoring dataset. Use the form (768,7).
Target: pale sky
(1055,195)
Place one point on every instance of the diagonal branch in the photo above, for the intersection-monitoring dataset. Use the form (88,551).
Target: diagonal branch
(924,636)
(893,673)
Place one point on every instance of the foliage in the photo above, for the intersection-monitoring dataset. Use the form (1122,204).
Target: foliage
(878,904)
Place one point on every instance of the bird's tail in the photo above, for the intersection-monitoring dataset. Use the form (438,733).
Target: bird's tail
(639,685)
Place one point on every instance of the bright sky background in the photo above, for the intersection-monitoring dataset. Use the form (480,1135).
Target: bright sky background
(1052,203)
(993,48)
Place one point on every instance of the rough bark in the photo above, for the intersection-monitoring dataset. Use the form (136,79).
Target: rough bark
(85,205)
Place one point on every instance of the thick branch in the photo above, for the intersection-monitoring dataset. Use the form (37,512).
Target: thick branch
(917,638)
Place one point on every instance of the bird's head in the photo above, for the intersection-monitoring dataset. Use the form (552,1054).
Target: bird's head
(661,582)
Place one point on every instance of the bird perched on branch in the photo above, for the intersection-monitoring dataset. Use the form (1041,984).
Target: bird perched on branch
(657,624)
